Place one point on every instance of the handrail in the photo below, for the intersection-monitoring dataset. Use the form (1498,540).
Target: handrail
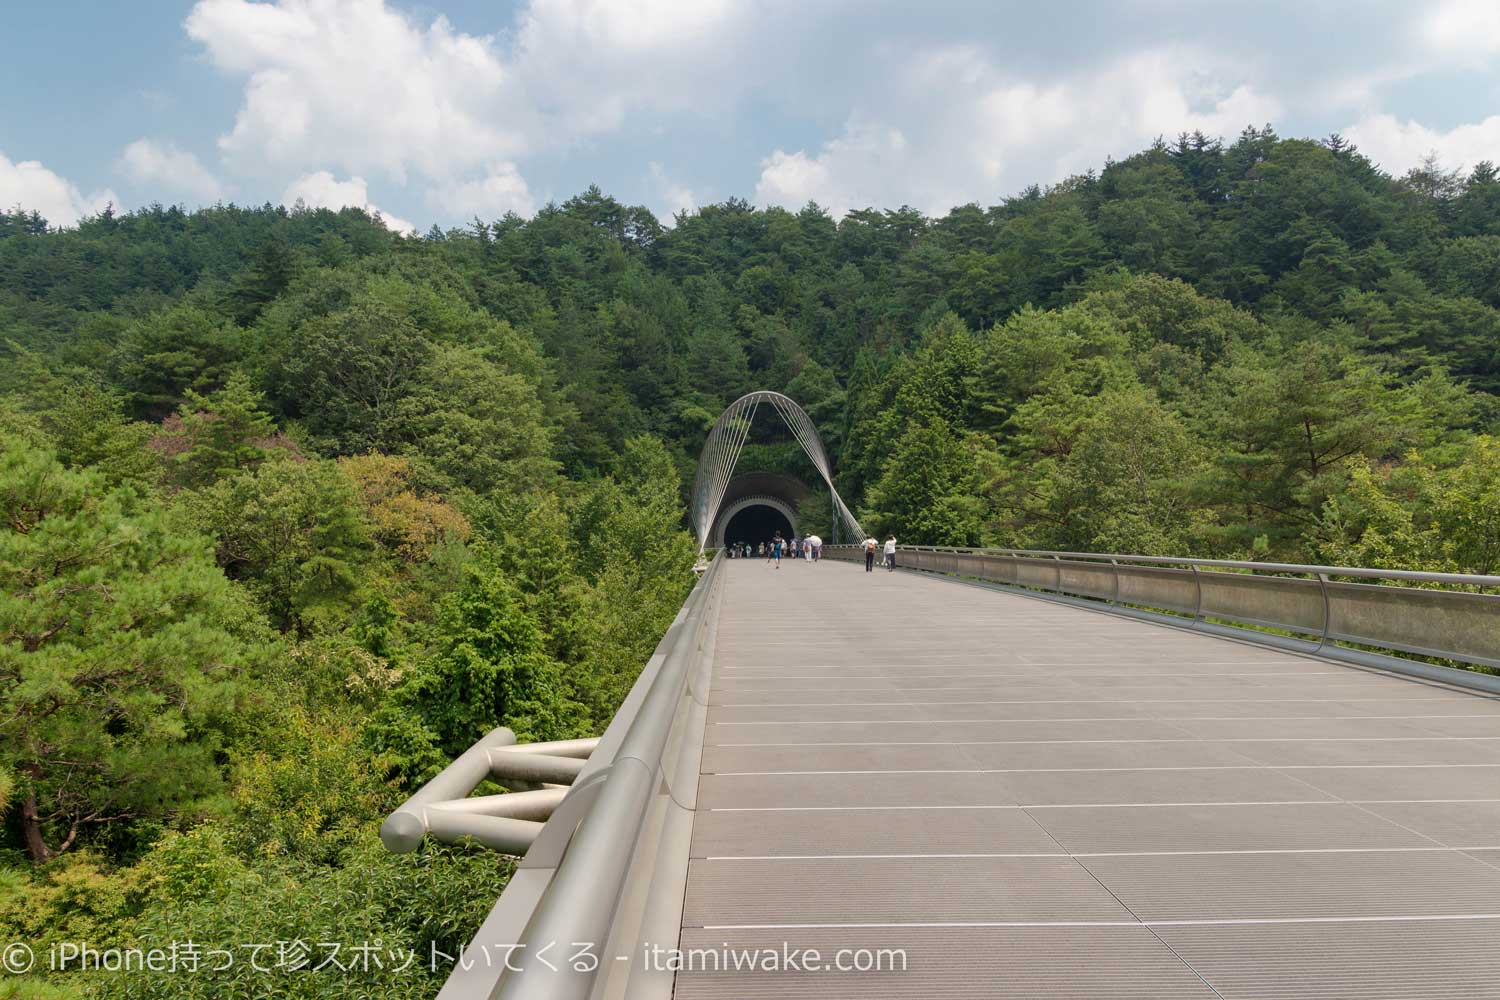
(567,888)
(579,905)
(1342,610)
(1461,579)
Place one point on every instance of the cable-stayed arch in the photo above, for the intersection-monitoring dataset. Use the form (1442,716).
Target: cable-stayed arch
(721,452)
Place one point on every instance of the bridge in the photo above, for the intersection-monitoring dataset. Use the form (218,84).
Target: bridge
(998,773)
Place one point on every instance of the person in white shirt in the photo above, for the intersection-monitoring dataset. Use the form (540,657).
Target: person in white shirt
(890,553)
(870,546)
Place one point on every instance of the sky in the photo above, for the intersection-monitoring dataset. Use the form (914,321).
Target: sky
(441,111)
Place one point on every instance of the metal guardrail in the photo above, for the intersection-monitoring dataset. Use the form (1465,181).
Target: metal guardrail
(1326,604)
(590,883)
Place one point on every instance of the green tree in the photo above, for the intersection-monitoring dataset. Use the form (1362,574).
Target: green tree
(533,545)
(717,365)
(1419,514)
(82,422)
(272,268)
(121,650)
(1287,421)
(165,355)
(292,533)
(217,435)
(927,493)
(637,560)
(474,423)
(487,667)
(346,375)
(1129,482)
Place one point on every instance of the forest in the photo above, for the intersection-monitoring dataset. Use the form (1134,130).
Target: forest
(294,508)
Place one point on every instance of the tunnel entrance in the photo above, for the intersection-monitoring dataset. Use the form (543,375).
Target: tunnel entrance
(756,506)
(755,524)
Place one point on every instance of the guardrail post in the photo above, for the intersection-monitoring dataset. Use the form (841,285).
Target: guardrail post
(1115,563)
(1198,602)
(1057,560)
(1327,611)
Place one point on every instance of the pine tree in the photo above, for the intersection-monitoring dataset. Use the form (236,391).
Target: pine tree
(121,649)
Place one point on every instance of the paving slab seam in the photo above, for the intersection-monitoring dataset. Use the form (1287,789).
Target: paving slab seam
(1102,854)
(750,774)
(1094,805)
(1241,921)
(1235,739)
(1114,718)
(906,703)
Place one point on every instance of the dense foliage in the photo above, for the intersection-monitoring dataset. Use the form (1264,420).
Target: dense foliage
(295,508)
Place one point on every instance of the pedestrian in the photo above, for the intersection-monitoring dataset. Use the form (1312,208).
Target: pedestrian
(890,554)
(870,546)
(776,546)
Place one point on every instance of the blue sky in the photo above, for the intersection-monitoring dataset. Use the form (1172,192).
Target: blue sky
(446,109)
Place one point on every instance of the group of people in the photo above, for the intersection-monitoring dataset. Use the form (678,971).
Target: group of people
(872,546)
(809,548)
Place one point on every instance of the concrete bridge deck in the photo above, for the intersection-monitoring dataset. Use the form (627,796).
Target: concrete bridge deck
(1033,800)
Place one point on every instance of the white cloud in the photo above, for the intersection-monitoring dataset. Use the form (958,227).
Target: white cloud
(1397,146)
(366,89)
(35,188)
(322,190)
(672,197)
(360,85)
(953,128)
(867,165)
(355,84)
(501,190)
(168,168)
(1463,29)
(589,62)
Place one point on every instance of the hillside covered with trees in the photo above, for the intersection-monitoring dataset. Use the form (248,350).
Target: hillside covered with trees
(295,508)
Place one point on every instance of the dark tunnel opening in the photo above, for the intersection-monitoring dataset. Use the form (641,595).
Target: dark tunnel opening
(755,524)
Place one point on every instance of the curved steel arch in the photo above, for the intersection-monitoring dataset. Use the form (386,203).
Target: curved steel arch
(722,450)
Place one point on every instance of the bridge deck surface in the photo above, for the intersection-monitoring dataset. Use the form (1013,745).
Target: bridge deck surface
(1034,800)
